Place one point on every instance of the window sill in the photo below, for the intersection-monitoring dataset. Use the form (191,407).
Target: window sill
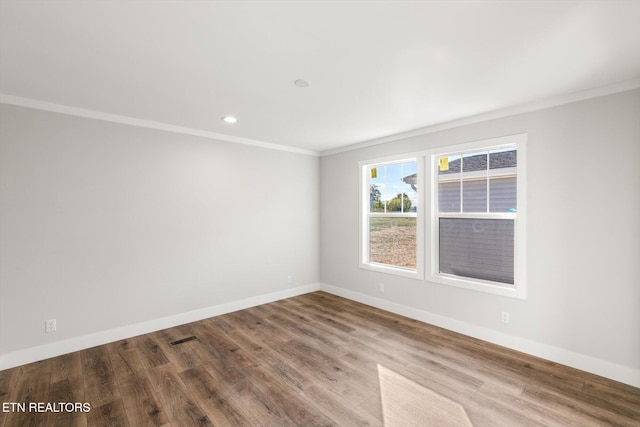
(389,269)
(479,285)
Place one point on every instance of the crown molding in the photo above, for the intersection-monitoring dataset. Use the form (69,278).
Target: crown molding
(496,114)
(149,124)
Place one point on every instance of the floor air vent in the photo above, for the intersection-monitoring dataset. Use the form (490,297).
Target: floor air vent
(183,340)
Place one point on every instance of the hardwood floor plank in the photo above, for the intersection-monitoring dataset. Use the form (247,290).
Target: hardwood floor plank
(124,360)
(329,371)
(305,330)
(314,359)
(259,408)
(32,384)
(150,350)
(213,399)
(289,402)
(63,391)
(417,348)
(100,385)
(180,355)
(110,414)
(7,377)
(224,362)
(625,401)
(260,346)
(176,399)
(66,366)
(143,406)
(338,410)
(254,325)
(322,303)
(565,404)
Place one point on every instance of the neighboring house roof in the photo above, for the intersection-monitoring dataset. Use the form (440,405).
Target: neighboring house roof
(412,180)
(500,160)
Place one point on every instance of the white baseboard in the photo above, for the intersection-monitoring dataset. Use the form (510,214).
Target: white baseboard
(596,366)
(583,362)
(58,348)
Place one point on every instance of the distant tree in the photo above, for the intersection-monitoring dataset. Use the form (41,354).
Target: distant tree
(396,204)
(374,198)
(374,193)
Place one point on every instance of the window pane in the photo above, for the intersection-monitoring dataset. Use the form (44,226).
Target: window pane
(478,248)
(449,196)
(474,182)
(474,195)
(393,188)
(376,184)
(392,241)
(500,159)
(449,184)
(474,162)
(503,194)
(503,181)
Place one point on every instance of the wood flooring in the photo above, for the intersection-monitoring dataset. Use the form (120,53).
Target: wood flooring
(311,360)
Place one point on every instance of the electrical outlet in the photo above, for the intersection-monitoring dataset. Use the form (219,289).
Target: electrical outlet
(289,279)
(505,317)
(381,287)
(50,326)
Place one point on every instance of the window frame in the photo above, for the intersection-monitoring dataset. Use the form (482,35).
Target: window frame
(518,289)
(365,214)
(427,262)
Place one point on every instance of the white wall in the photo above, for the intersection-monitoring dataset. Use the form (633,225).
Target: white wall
(104,226)
(583,238)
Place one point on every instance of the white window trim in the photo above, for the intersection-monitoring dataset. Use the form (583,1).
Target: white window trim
(364,186)
(518,289)
(427,263)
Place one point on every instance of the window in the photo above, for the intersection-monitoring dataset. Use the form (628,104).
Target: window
(475,215)
(390,211)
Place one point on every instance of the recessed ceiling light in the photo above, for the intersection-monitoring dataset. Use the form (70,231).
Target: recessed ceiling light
(301,83)
(229,119)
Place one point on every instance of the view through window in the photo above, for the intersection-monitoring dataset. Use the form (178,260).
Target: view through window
(477,205)
(392,214)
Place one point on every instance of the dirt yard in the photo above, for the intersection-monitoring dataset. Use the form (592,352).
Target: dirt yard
(394,245)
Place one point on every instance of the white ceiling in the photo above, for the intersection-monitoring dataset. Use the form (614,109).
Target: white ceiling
(375,68)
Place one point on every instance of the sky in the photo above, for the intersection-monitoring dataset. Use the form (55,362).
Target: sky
(389,180)
(389,177)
